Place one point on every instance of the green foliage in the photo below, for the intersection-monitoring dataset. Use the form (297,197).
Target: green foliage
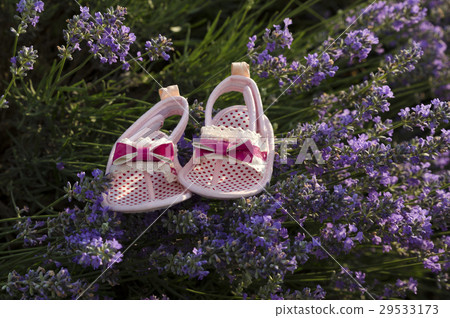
(73,111)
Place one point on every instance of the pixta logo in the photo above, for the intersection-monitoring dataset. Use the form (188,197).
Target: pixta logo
(308,149)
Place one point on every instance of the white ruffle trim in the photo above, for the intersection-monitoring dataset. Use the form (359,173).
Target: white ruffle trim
(233,134)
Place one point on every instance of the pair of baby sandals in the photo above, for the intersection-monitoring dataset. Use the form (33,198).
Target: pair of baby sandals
(233,157)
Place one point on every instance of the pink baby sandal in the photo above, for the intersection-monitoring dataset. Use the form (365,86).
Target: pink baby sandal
(143,162)
(234,156)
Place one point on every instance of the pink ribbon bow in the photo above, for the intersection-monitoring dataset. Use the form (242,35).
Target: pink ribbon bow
(125,153)
(243,152)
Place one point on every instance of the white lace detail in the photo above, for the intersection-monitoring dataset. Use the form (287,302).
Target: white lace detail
(164,166)
(148,142)
(235,134)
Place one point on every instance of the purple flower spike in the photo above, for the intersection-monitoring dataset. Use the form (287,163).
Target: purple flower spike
(28,14)
(24,61)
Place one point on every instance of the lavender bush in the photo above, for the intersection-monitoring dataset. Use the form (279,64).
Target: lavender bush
(367,220)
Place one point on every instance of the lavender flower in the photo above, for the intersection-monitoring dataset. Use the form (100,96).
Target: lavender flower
(266,63)
(185,222)
(359,44)
(432,264)
(3,102)
(85,15)
(379,188)
(409,226)
(297,76)
(159,47)
(406,59)
(410,17)
(27,14)
(426,116)
(278,38)
(344,281)
(31,232)
(23,62)
(389,15)
(251,43)
(400,288)
(92,250)
(90,234)
(42,284)
(108,38)
(83,189)
(245,235)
